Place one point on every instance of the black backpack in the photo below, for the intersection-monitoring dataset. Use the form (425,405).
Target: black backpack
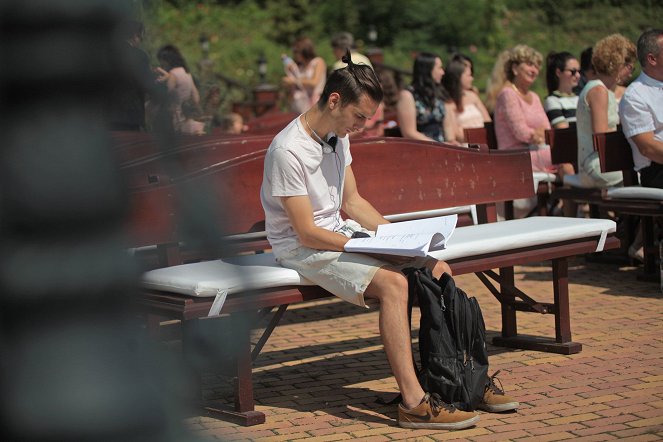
(452,348)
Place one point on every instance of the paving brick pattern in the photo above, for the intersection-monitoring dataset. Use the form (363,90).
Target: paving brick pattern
(323,368)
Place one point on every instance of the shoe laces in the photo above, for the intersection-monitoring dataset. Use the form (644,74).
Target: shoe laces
(437,404)
(492,386)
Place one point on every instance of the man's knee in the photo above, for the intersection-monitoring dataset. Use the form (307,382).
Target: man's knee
(389,286)
(439,268)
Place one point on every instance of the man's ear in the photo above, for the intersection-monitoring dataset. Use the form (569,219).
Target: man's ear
(334,100)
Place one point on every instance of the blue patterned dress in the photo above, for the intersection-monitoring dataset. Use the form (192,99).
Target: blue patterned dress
(429,120)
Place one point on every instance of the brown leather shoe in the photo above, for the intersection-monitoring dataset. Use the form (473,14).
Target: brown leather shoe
(432,413)
(494,399)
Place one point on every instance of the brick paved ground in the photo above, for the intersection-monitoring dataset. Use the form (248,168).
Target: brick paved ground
(321,372)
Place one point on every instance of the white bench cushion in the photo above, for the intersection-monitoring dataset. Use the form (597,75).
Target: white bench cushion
(237,274)
(546,177)
(636,192)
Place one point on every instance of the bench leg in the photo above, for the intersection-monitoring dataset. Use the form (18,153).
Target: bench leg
(650,269)
(243,412)
(509,320)
(562,343)
(153,325)
(561,294)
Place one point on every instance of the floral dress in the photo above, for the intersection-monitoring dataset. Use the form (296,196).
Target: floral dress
(429,120)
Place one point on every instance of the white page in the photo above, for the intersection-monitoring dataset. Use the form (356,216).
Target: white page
(439,224)
(409,244)
(408,238)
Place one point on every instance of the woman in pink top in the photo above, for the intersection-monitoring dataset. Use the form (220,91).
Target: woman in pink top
(181,86)
(520,121)
(306,77)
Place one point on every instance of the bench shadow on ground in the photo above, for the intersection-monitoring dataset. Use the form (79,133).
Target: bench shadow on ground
(610,278)
(331,376)
(330,381)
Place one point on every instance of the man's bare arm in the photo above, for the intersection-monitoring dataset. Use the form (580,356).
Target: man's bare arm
(300,213)
(649,146)
(357,207)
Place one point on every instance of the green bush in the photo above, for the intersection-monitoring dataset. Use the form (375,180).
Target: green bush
(240,31)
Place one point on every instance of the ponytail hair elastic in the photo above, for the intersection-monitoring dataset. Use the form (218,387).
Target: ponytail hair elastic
(351,67)
(347,59)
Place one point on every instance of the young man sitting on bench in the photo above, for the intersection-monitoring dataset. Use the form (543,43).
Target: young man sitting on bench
(307,180)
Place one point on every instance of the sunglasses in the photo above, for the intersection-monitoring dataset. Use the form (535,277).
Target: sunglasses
(573,71)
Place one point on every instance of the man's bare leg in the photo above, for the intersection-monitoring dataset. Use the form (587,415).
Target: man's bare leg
(389,286)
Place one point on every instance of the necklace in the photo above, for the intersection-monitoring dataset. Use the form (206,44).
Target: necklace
(515,88)
(311,129)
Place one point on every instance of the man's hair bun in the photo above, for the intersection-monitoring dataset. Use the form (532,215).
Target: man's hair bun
(347,59)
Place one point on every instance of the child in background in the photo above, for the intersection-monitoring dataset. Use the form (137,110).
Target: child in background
(233,124)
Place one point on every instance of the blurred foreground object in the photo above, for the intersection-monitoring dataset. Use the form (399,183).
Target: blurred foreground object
(74,364)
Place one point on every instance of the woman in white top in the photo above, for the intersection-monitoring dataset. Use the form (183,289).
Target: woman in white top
(470,112)
(181,87)
(613,59)
(306,80)
(562,75)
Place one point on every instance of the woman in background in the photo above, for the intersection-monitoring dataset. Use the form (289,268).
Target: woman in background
(562,75)
(469,111)
(469,63)
(180,83)
(421,107)
(520,121)
(613,59)
(305,75)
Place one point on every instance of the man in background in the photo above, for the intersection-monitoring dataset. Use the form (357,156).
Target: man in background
(341,43)
(136,83)
(641,110)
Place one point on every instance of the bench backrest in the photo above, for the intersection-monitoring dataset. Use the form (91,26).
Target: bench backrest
(615,155)
(190,155)
(563,145)
(187,158)
(269,124)
(395,175)
(482,135)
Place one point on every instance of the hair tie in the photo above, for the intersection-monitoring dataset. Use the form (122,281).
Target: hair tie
(347,58)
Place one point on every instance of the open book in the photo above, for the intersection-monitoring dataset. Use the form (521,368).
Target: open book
(407,238)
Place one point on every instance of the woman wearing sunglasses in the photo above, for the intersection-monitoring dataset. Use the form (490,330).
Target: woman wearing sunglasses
(613,59)
(562,75)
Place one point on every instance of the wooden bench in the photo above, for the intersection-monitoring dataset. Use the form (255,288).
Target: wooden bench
(542,181)
(564,149)
(188,155)
(632,199)
(270,124)
(397,176)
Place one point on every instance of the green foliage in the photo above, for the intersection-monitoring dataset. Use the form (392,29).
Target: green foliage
(239,31)
(289,19)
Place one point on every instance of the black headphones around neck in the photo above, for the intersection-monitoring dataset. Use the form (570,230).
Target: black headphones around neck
(329,146)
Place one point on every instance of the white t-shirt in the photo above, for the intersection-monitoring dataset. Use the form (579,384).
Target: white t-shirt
(295,165)
(640,111)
